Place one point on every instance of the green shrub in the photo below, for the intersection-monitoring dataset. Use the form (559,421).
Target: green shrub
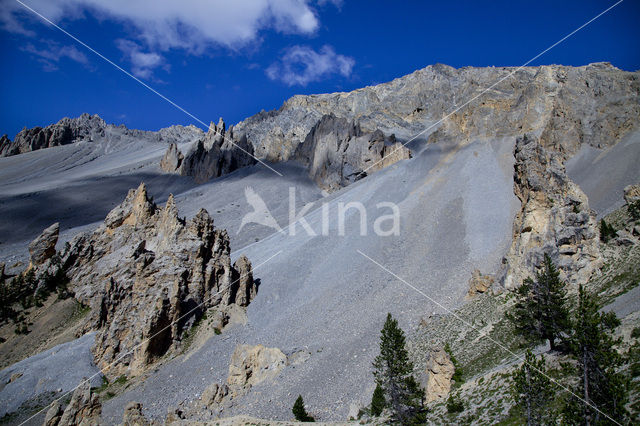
(300,412)
(454,404)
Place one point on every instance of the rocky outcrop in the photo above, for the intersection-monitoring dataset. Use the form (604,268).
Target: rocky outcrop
(84,409)
(337,152)
(133,415)
(65,131)
(479,283)
(44,246)
(439,372)
(88,128)
(631,194)
(216,154)
(554,218)
(148,275)
(172,159)
(251,365)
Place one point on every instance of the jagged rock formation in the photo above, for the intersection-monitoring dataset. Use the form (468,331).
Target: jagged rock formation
(439,372)
(84,409)
(338,153)
(479,283)
(554,218)
(89,128)
(216,154)
(172,159)
(148,275)
(65,131)
(44,246)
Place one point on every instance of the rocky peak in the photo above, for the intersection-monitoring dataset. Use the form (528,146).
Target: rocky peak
(65,131)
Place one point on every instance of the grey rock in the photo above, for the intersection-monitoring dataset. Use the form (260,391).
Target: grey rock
(172,159)
(217,154)
(44,247)
(337,152)
(624,238)
(86,128)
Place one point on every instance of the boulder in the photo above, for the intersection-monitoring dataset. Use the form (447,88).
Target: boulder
(44,246)
(439,372)
(479,283)
(251,365)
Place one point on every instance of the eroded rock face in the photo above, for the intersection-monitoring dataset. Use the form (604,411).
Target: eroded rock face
(44,246)
(337,152)
(554,218)
(439,372)
(251,365)
(84,409)
(65,131)
(217,154)
(148,275)
(172,159)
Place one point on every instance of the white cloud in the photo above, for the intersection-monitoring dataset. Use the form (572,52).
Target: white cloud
(142,63)
(301,65)
(52,53)
(193,25)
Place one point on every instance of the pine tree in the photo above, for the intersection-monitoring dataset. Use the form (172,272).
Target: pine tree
(393,373)
(607,231)
(300,412)
(601,388)
(540,312)
(533,390)
(378,401)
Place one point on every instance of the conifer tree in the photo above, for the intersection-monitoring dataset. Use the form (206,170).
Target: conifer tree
(394,374)
(378,402)
(601,388)
(540,312)
(300,412)
(533,390)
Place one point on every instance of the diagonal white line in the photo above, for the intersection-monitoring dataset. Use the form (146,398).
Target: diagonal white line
(498,82)
(44,18)
(102,370)
(468,324)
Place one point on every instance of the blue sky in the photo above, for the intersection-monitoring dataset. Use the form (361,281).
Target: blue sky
(231,59)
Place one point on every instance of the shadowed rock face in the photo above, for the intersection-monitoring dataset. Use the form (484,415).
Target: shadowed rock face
(148,276)
(337,152)
(216,154)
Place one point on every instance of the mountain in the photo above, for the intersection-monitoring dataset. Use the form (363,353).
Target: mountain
(397,198)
